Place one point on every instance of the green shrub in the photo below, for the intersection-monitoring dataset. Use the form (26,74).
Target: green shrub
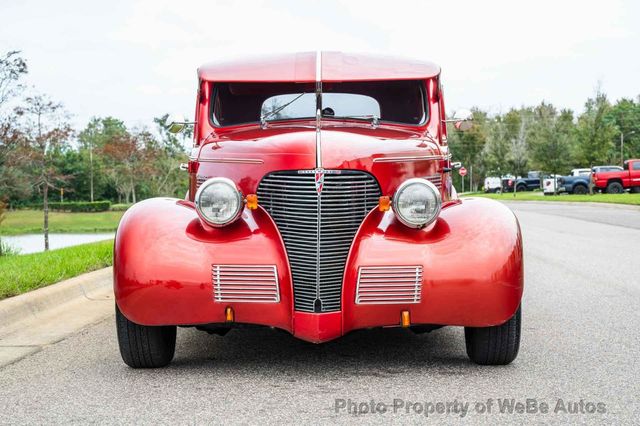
(72,206)
(120,207)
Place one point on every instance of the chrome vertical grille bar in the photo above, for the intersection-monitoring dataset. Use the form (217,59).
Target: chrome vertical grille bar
(318,228)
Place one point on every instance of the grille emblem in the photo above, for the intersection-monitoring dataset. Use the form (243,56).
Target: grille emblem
(319,180)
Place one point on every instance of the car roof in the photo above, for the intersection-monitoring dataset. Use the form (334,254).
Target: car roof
(301,67)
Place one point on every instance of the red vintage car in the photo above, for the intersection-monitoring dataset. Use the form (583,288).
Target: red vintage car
(320,202)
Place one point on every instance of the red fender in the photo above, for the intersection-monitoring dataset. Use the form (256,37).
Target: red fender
(472,266)
(162,265)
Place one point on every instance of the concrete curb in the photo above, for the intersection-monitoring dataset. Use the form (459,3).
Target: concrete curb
(33,320)
(36,303)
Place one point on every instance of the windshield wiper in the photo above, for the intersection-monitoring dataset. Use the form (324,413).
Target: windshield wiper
(372,118)
(263,118)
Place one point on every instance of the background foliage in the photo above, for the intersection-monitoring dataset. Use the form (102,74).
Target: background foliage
(545,138)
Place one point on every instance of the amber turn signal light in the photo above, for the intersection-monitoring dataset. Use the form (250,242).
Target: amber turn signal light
(252,201)
(405,319)
(228,314)
(384,204)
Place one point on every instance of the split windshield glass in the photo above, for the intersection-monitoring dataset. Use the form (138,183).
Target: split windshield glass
(397,101)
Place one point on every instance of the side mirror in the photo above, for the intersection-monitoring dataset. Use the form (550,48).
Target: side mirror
(462,120)
(175,123)
(456,165)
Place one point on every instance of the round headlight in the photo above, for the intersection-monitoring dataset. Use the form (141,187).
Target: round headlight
(218,201)
(417,202)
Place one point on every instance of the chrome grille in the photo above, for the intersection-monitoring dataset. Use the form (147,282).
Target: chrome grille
(318,228)
(245,283)
(389,284)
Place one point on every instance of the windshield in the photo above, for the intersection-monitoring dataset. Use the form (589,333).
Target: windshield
(401,101)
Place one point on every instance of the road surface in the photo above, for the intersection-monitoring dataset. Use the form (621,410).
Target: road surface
(580,351)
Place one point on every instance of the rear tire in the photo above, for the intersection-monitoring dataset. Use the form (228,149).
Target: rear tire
(497,345)
(635,190)
(521,188)
(615,188)
(580,190)
(144,346)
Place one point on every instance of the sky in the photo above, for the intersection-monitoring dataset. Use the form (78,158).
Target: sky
(137,59)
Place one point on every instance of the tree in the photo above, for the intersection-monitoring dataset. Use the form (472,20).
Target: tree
(98,133)
(625,114)
(596,132)
(13,183)
(496,150)
(550,140)
(45,133)
(129,160)
(517,129)
(165,176)
(468,146)
(12,68)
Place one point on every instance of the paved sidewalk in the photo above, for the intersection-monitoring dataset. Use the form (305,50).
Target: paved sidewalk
(45,316)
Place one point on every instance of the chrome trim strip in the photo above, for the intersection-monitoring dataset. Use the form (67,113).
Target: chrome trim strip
(232,160)
(318,108)
(409,158)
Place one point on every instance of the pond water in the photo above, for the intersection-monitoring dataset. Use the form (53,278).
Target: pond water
(34,243)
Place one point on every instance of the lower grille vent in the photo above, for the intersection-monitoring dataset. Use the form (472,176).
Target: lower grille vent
(245,283)
(389,284)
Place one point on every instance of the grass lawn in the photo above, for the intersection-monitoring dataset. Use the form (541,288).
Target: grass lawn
(633,199)
(30,222)
(19,274)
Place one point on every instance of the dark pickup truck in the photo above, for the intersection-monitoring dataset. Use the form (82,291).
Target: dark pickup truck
(576,183)
(531,182)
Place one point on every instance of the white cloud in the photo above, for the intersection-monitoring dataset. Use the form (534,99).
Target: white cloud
(136,60)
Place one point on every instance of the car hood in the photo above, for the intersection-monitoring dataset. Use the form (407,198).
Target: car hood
(390,155)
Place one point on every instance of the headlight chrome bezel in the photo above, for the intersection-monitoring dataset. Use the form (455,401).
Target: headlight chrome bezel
(219,180)
(404,185)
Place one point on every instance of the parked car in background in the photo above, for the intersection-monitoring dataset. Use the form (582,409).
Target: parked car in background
(530,183)
(616,181)
(550,185)
(600,169)
(576,183)
(492,184)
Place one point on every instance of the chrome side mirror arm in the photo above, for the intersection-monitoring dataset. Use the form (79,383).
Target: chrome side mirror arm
(176,123)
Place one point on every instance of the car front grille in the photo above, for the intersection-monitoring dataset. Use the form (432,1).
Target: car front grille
(318,227)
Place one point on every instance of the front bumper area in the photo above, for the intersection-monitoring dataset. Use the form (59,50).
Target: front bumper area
(471,262)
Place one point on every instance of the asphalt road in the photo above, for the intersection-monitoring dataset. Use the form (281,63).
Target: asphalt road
(580,350)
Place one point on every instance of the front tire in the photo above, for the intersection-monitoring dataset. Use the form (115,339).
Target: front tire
(615,188)
(145,346)
(497,345)
(580,190)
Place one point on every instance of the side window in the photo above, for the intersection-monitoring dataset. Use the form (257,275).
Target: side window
(636,165)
